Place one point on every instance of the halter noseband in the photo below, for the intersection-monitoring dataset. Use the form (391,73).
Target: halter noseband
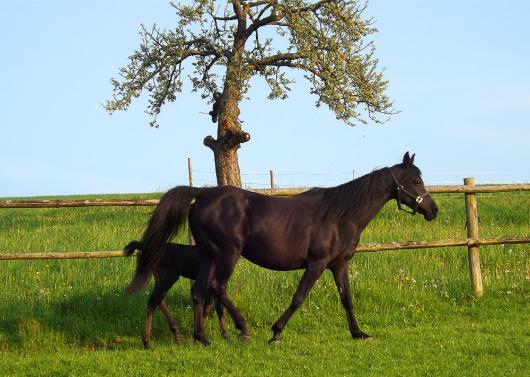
(400,189)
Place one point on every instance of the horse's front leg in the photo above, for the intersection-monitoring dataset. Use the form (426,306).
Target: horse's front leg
(311,275)
(340,273)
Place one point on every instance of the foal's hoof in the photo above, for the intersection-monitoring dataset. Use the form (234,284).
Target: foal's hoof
(275,340)
(244,337)
(179,338)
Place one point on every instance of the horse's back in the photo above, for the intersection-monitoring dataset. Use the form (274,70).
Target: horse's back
(273,232)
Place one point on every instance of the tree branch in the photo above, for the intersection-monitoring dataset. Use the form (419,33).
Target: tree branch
(254,4)
(314,7)
(277,60)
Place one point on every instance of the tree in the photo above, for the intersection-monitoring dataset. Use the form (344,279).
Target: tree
(227,43)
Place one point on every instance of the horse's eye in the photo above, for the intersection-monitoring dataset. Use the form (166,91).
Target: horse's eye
(417,182)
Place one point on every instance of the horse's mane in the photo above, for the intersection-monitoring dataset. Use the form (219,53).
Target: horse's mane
(347,198)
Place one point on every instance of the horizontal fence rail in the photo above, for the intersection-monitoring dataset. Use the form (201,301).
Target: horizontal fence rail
(463,189)
(368,248)
(469,189)
(77,203)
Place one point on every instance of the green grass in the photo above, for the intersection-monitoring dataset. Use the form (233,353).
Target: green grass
(70,317)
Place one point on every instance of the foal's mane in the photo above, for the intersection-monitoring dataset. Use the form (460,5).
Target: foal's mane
(346,199)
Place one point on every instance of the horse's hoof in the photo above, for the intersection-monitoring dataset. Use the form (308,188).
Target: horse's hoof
(179,338)
(146,345)
(203,341)
(361,335)
(244,337)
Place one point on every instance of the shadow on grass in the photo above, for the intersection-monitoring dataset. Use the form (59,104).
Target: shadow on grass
(91,322)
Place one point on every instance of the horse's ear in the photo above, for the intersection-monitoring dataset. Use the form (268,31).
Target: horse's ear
(407,160)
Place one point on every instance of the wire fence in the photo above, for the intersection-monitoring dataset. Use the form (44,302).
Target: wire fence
(286,179)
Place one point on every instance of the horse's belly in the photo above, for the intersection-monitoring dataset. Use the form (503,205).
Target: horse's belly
(273,258)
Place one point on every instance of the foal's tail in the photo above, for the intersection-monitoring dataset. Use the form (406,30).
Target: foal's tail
(132,247)
(167,218)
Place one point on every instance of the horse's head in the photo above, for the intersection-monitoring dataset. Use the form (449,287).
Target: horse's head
(410,190)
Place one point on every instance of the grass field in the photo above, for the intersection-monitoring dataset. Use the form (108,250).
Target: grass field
(70,317)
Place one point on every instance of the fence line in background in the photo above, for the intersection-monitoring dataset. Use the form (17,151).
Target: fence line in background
(273,192)
(469,189)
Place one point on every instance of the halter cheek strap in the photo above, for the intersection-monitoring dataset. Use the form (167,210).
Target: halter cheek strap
(400,189)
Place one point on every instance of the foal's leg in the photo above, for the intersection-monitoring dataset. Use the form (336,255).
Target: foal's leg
(210,302)
(162,286)
(146,339)
(219,311)
(311,274)
(199,291)
(340,273)
(171,322)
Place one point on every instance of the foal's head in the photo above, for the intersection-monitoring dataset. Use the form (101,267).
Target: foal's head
(410,189)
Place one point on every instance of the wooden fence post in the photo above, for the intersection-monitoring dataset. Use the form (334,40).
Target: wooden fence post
(191,241)
(472,232)
(190,174)
(272,179)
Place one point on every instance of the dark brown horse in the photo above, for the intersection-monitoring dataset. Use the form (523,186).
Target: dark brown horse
(314,231)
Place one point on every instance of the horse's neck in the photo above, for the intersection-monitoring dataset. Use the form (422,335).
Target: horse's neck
(377,200)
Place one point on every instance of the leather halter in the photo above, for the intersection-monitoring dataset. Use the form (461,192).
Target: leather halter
(400,189)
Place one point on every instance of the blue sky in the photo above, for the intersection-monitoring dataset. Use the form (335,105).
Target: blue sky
(459,72)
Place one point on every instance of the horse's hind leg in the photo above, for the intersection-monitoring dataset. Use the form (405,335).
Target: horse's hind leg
(340,273)
(224,269)
(311,274)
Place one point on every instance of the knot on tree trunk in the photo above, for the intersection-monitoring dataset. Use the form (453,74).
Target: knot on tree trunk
(232,138)
(210,142)
(228,141)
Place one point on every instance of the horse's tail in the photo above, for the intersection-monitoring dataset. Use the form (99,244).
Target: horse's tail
(167,218)
(132,247)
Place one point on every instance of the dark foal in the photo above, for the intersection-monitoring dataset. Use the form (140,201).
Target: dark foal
(175,261)
(314,231)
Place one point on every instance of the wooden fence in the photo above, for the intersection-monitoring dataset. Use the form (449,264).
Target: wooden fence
(472,242)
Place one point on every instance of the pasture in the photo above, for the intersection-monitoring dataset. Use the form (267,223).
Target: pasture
(71,317)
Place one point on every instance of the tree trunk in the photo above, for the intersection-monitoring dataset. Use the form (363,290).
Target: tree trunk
(227,167)
(229,138)
(229,133)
